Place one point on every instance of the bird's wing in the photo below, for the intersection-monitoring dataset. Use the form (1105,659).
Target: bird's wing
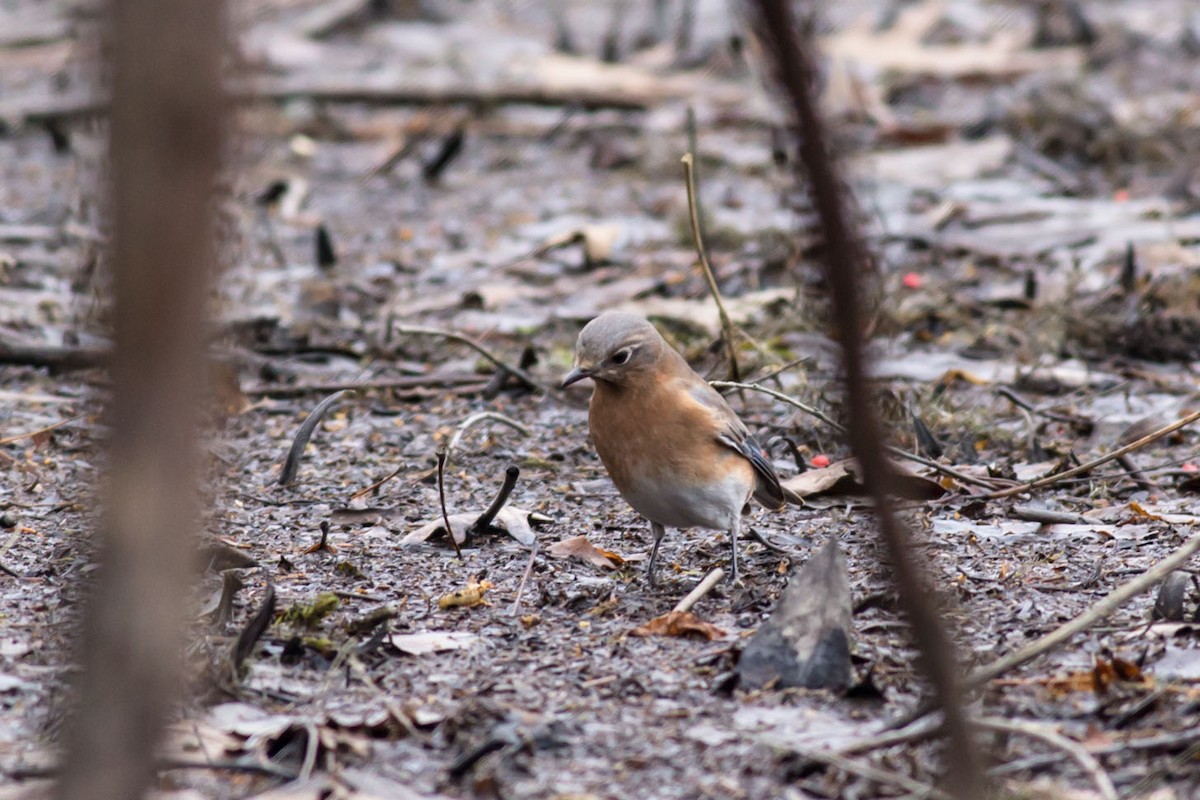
(734,434)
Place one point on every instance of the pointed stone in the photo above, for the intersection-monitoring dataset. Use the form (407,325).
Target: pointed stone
(806,642)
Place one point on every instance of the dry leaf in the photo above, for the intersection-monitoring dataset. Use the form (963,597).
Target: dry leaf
(425,642)
(468,597)
(679,623)
(579,547)
(516,522)
(844,478)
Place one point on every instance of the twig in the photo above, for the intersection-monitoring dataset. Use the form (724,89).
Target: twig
(702,588)
(18,437)
(1021,402)
(441,484)
(374,486)
(1075,750)
(483,416)
(694,214)
(844,257)
(962,477)
(312,746)
(485,519)
(512,612)
(1098,611)
(406,383)
(918,731)
(1049,480)
(463,339)
(870,772)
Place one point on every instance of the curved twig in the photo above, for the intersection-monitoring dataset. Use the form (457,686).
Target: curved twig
(483,416)
(292,463)
(463,339)
(1082,757)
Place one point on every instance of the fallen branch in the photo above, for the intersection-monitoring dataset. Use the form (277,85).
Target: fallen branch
(1082,757)
(433,380)
(463,339)
(1050,480)
(40,110)
(52,357)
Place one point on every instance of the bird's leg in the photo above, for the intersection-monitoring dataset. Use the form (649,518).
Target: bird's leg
(659,532)
(733,537)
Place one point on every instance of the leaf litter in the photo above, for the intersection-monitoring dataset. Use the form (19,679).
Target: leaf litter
(1048,211)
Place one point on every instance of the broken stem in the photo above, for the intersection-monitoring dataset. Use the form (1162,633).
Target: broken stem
(486,518)
(441,484)
(727,329)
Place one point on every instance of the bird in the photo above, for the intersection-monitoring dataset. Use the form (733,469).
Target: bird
(676,450)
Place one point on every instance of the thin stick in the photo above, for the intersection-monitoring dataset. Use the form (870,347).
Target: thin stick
(1101,609)
(18,437)
(871,773)
(702,588)
(512,612)
(694,213)
(463,339)
(1049,480)
(962,477)
(1082,757)
(483,416)
(441,483)
(377,484)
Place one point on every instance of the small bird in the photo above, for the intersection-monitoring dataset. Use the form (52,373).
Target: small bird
(674,448)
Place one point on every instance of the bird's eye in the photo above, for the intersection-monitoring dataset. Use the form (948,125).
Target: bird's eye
(621,356)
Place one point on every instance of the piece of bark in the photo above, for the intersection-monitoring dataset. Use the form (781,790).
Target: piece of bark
(806,642)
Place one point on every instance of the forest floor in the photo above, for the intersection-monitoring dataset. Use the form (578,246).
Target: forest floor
(1028,183)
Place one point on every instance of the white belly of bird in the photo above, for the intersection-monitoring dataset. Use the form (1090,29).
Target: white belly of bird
(672,505)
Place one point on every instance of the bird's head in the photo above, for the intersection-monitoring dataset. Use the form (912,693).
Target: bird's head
(616,348)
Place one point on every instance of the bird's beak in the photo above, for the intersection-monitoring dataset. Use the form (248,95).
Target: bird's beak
(575,375)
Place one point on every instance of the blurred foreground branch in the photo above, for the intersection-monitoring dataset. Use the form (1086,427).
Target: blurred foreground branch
(165,152)
(844,258)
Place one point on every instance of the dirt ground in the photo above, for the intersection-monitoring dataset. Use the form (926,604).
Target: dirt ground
(1026,176)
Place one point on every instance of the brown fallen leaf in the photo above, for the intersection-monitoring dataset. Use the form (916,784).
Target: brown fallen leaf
(679,623)
(579,547)
(844,478)
(467,597)
(1097,679)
